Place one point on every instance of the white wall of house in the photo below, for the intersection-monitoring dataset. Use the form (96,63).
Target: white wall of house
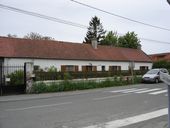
(46,63)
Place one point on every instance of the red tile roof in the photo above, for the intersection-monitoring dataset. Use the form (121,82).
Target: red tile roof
(25,48)
(160,56)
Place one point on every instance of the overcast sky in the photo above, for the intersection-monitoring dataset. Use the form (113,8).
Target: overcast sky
(154,12)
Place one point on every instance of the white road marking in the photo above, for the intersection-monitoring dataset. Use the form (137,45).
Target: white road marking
(158,92)
(39,106)
(150,90)
(131,120)
(123,90)
(135,90)
(109,97)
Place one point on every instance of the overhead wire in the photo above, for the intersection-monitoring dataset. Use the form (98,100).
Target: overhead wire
(146,39)
(61,20)
(122,17)
(42,16)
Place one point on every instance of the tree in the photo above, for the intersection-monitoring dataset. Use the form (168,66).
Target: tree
(111,38)
(129,40)
(95,30)
(37,36)
(12,36)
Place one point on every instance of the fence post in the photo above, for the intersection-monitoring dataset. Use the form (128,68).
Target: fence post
(29,76)
(1,78)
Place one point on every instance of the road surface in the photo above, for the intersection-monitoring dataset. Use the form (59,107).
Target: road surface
(135,106)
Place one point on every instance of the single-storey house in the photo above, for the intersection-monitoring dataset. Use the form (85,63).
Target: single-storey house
(67,56)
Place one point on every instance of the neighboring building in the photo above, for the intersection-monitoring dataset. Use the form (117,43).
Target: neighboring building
(67,56)
(160,56)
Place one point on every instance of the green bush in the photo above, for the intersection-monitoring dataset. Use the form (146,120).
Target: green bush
(52,69)
(67,76)
(161,64)
(137,80)
(16,77)
(82,85)
(39,88)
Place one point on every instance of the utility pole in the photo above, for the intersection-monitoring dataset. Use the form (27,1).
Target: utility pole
(132,66)
(166,79)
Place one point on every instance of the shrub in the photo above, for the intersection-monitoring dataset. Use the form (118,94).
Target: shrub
(67,76)
(137,80)
(71,86)
(52,69)
(16,77)
(39,88)
(161,64)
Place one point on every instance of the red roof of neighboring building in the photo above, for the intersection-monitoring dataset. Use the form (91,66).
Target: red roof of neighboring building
(160,56)
(25,48)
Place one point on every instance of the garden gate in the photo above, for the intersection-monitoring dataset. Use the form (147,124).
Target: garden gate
(12,79)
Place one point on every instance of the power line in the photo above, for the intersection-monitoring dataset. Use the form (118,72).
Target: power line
(42,16)
(150,40)
(63,21)
(156,41)
(126,18)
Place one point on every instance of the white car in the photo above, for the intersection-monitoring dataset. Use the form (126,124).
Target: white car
(153,75)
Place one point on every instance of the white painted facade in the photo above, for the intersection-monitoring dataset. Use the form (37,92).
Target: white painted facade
(46,63)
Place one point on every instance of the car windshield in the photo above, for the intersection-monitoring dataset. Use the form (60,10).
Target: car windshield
(152,72)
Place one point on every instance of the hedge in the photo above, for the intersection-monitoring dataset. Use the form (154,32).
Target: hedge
(81,85)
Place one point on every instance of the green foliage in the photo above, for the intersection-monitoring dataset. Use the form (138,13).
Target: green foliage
(82,85)
(52,69)
(111,38)
(161,64)
(17,77)
(137,80)
(39,88)
(67,76)
(129,40)
(95,30)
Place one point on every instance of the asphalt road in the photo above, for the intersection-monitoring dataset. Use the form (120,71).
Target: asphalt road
(136,106)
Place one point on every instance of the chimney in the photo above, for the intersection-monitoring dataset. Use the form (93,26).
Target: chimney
(94,43)
(139,47)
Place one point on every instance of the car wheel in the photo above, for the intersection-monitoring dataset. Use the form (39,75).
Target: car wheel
(156,80)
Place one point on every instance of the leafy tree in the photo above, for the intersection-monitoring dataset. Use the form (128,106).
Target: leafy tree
(110,39)
(37,36)
(95,30)
(129,40)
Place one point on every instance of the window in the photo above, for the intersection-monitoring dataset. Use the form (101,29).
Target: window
(36,67)
(89,68)
(164,70)
(114,68)
(103,68)
(142,68)
(69,68)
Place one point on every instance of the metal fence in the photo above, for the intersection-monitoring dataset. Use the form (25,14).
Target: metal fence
(41,76)
(12,79)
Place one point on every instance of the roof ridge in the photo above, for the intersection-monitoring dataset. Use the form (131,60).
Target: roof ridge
(67,50)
